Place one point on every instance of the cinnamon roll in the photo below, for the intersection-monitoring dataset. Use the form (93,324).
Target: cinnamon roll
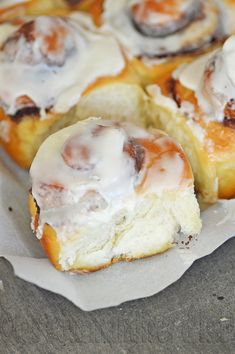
(105,191)
(158,35)
(51,69)
(196,105)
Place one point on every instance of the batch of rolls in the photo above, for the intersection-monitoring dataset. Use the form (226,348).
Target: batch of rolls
(124,111)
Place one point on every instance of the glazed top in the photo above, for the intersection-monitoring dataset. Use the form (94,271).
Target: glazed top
(48,62)
(97,165)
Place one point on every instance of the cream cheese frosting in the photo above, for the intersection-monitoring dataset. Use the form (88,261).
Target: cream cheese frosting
(212,78)
(55,67)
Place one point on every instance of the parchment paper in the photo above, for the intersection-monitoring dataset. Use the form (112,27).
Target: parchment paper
(110,287)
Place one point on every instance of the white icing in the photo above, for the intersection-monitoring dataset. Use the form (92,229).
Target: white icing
(228,53)
(155,92)
(227,9)
(116,18)
(160,173)
(89,56)
(97,188)
(190,75)
(215,91)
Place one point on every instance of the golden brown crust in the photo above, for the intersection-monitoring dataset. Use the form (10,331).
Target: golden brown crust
(48,240)
(51,245)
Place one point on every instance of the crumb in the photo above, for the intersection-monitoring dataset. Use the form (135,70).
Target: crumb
(220,297)
(10,208)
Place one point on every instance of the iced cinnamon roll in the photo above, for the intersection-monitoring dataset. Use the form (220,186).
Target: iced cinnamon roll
(50,66)
(105,191)
(196,105)
(162,28)
(158,35)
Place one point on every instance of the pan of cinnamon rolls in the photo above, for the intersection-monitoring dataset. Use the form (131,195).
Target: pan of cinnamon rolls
(159,78)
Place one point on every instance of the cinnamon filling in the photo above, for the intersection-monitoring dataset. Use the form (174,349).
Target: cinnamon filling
(33,44)
(136,152)
(25,112)
(25,107)
(159,18)
(229,114)
(77,155)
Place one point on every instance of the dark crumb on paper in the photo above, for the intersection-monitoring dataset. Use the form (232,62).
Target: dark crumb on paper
(220,297)
(10,208)
(185,244)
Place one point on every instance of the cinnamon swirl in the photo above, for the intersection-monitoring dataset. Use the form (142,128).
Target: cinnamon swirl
(103,192)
